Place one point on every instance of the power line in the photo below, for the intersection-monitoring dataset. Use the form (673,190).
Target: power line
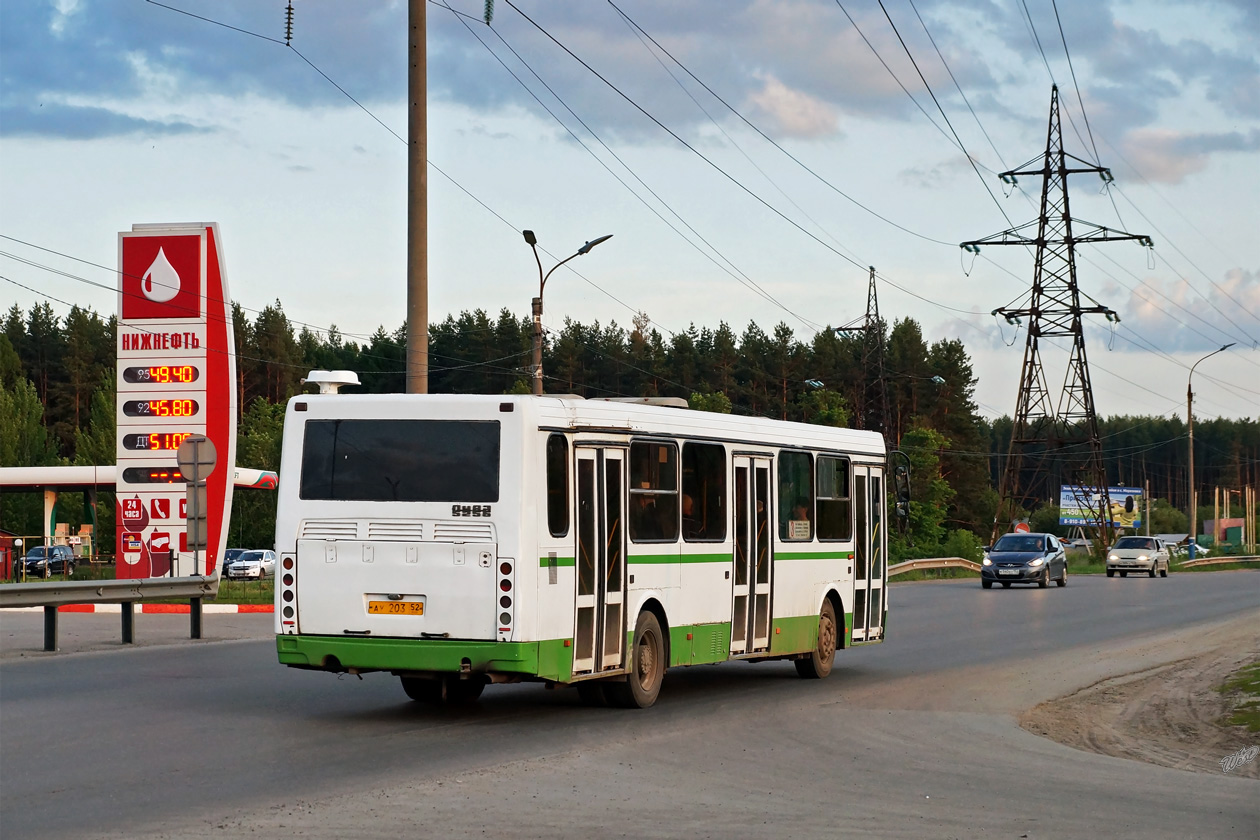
(401,139)
(970,160)
(735,181)
(733,270)
(1072,70)
(767,137)
(957,86)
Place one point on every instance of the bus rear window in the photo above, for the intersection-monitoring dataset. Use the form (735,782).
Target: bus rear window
(401,460)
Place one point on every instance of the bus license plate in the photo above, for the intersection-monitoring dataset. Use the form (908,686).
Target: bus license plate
(396,607)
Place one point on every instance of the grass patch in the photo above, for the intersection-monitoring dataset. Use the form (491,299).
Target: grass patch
(934,574)
(1245,686)
(246,592)
(1216,567)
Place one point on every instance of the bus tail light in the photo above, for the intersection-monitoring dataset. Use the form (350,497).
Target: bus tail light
(286,596)
(507,616)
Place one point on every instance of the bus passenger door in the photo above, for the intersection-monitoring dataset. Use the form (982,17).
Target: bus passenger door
(599,634)
(870,554)
(750,613)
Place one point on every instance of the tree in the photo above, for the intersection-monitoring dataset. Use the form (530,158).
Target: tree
(97,444)
(929,496)
(824,408)
(24,442)
(716,402)
(259,438)
(10,363)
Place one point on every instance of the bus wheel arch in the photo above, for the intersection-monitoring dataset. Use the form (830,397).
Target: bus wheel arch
(646,662)
(818,662)
(838,605)
(653,605)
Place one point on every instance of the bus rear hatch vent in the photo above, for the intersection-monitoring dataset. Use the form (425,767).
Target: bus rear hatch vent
(330,529)
(404,531)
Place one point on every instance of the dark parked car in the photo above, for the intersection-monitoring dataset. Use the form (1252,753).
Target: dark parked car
(1025,558)
(46,562)
(230,555)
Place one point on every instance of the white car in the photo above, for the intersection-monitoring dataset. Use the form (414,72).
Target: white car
(253,565)
(1138,554)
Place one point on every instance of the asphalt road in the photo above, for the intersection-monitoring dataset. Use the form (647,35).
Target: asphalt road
(916,737)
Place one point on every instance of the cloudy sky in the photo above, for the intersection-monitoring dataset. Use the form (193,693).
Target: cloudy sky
(751,158)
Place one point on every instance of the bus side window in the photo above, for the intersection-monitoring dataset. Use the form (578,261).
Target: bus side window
(796,496)
(653,492)
(703,492)
(835,513)
(557,485)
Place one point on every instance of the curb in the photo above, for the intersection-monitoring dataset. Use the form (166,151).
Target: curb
(152,608)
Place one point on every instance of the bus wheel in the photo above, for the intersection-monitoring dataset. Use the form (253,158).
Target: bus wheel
(818,664)
(422,690)
(647,667)
(451,691)
(592,693)
(463,691)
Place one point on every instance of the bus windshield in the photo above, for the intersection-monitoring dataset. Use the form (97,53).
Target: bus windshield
(401,460)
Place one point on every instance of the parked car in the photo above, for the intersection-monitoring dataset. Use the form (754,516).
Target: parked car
(45,562)
(229,556)
(1138,554)
(1025,558)
(253,565)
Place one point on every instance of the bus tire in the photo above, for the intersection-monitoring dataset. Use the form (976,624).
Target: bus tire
(647,667)
(447,690)
(592,694)
(818,664)
(422,690)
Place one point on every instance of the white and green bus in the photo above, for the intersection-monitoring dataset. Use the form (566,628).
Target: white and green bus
(463,540)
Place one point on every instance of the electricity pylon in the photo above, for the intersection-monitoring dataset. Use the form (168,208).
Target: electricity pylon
(1055,439)
(870,394)
(873,413)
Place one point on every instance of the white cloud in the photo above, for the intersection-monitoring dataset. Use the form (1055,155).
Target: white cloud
(793,112)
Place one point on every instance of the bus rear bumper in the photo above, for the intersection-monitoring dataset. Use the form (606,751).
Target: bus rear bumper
(550,659)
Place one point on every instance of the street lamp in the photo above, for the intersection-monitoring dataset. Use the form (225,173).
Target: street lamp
(1194,497)
(537,302)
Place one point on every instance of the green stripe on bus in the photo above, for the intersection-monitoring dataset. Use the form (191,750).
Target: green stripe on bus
(545,562)
(813,555)
(642,559)
(551,659)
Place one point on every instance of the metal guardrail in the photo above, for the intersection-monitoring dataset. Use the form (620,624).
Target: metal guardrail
(1211,561)
(50,594)
(933,563)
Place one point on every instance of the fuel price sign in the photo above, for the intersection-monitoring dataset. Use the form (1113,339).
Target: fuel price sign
(176,375)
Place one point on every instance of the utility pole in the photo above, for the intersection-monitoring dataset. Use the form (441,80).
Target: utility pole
(1194,496)
(417,201)
(1045,434)
(873,412)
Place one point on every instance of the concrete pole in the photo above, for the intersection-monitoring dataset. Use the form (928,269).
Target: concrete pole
(537,371)
(417,203)
(1146,495)
(1194,501)
(1194,510)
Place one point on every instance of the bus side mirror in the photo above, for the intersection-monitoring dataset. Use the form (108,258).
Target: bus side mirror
(901,489)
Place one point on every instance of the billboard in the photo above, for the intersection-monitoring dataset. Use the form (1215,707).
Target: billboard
(1080,506)
(176,378)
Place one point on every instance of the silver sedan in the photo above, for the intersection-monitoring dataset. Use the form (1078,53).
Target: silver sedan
(1138,554)
(253,565)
